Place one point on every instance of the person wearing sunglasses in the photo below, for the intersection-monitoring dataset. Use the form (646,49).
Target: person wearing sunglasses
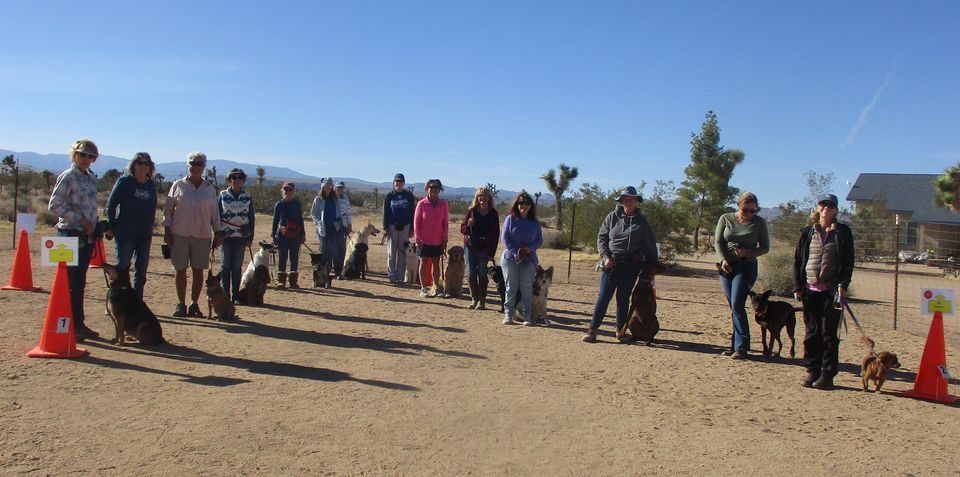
(739,239)
(131,212)
(238,220)
(288,233)
(521,236)
(74,201)
(481,231)
(625,242)
(431,223)
(190,220)
(822,269)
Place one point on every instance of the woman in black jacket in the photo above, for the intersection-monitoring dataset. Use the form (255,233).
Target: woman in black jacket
(481,235)
(822,268)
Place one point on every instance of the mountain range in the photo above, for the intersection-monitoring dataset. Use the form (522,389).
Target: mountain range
(273,175)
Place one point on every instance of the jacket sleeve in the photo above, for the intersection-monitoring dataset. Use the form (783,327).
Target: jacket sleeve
(799,261)
(720,243)
(116,194)
(387,215)
(464,229)
(216,222)
(315,211)
(847,257)
(416,223)
(60,200)
(603,236)
(303,230)
(507,238)
(763,240)
(277,212)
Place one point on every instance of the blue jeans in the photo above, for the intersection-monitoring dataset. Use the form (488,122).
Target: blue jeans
(477,267)
(735,289)
(332,247)
(288,247)
(128,247)
(77,277)
(619,280)
(518,277)
(231,265)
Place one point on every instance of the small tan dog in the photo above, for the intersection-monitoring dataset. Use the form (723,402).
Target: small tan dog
(218,306)
(453,272)
(875,366)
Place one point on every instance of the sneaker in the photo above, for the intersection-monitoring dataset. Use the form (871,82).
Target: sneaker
(438,291)
(180,311)
(529,323)
(739,355)
(508,321)
(810,379)
(194,311)
(424,293)
(82,333)
(590,336)
(824,382)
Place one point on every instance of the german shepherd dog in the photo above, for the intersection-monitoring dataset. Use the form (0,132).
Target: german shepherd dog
(356,265)
(773,316)
(130,314)
(642,321)
(218,306)
(321,271)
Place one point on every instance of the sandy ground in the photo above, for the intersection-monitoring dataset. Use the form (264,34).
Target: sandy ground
(370,379)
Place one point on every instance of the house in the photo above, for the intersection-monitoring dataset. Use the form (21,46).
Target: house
(923,226)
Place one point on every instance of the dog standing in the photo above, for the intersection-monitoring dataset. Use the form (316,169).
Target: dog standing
(773,316)
(875,366)
(356,265)
(541,285)
(642,322)
(321,271)
(495,272)
(130,314)
(453,272)
(412,262)
(218,306)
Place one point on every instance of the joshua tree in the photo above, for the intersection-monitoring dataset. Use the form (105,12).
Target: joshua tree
(557,184)
(261,174)
(946,188)
(212,176)
(47,178)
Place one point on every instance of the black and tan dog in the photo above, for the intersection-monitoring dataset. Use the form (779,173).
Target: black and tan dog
(218,306)
(642,321)
(875,366)
(356,264)
(774,316)
(495,273)
(130,314)
(321,271)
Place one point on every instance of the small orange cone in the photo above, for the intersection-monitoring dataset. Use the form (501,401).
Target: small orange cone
(98,255)
(931,383)
(21,274)
(57,339)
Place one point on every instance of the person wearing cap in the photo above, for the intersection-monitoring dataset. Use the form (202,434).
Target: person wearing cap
(131,212)
(521,236)
(288,232)
(346,217)
(398,208)
(191,220)
(74,201)
(328,217)
(481,232)
(625,242)
(739,239)
(238,220)
(822,270)
(431,223)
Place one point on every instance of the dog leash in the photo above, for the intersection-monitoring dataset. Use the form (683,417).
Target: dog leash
(308,248)
(856,324)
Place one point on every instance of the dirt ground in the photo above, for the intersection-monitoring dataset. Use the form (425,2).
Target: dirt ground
(367,378)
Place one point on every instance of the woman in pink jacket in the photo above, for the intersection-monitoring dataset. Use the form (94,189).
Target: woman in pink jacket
(430,224)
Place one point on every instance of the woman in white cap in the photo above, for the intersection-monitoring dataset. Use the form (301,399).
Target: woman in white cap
(74,201)
(327,216)
(739,239)
(625,242)
(190,220)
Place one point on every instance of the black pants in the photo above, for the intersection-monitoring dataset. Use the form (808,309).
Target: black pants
(821,346)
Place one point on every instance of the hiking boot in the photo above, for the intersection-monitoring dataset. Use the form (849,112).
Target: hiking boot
(180,311)
(811,378)
(281,279)
(194,311)
(424,293)
(438,291)
(824,382)
(82,333)
(590,336)
(474,297)
(740,354)
(482,301)
(293,280)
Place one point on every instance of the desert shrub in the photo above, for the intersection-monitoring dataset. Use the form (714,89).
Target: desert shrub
(552,238)
(776,272)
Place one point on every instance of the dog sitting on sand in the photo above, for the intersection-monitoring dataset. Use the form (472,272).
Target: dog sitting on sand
(453,272)
(253,283)
(130,314)
(541,285)
(322,278)
(412,262)
(218,306)
(356,264)
(642,321)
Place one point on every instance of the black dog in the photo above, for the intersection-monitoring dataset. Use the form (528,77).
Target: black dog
(321,272)
(130,314)
(643,323)
(495,272)
(252,292)
(773,316)
(356,265)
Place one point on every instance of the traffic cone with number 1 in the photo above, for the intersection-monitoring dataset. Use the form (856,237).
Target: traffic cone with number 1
(57,339)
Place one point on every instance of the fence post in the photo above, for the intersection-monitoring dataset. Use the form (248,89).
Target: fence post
(573,221)
(896,271)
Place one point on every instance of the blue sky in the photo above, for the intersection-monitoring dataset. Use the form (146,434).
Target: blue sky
(488,91)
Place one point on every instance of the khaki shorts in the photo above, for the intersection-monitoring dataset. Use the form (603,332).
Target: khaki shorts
(189,252)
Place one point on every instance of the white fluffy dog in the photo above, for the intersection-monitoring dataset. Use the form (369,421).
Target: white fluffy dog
(411,275)
(262,257)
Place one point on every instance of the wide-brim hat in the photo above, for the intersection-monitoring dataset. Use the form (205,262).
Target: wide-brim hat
(629,191)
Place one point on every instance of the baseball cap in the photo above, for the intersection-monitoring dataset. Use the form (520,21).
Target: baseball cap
(399,177)
(828,198)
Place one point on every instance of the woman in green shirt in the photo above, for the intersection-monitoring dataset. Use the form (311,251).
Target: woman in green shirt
(740,238)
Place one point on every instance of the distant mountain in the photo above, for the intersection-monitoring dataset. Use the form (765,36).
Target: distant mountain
(273,174)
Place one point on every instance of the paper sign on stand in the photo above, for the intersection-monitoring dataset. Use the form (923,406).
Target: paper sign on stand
(54,250)
(933,300)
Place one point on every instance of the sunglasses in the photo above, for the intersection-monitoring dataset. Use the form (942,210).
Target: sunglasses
(87,155)
(143,163)
(198,164)
(524,202)
(236,178)
(288,189)
(433,187)
(749,211)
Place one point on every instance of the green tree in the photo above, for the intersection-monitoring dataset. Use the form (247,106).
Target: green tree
(666,220)
(946,188)
(819,186)
(704,195)
(557,184)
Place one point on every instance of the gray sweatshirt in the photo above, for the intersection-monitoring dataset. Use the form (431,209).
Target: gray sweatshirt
(621,234)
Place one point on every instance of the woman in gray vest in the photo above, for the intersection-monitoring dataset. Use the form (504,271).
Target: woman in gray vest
(822,268)
(740,238)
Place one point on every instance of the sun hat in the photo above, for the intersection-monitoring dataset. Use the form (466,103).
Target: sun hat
(629,191)
(86,146)
(328,182)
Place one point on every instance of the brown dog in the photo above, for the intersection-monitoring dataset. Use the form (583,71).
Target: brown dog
(453,272)
(218,306)
(642,322)
(875,367)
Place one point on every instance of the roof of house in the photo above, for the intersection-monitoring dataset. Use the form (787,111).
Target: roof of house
(903,193)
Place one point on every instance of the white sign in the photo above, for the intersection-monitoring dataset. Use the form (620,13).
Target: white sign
(933,300)
(63,325)
(54,250)
(26,222)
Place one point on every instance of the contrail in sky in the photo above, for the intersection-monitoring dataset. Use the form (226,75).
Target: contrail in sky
(866,112)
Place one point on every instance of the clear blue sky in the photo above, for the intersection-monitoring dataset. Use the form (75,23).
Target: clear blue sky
(489,91)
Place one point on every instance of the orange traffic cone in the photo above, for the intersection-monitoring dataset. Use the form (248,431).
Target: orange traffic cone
(57,339)
(98,255)
(21,275)
(931,380)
